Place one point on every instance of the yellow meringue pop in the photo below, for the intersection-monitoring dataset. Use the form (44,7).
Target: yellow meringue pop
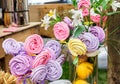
(77,47)
(84,69)
(80,82)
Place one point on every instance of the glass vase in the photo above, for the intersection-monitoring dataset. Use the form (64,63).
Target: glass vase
(69,67)
(93,78)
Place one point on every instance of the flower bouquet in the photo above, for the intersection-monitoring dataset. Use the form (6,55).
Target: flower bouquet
(82,31)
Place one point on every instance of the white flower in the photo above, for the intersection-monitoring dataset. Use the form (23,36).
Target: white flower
(52,14)
(77,17)
(115,5)
(45,22)
(92,12)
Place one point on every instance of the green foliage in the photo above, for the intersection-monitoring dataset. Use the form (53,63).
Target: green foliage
(97,4)
(104,4)
(54,21)
(98,11)
(68,71)
(102,76)
(74,2)
(112,13)
(65,67)
(92,1)
(79,29)
(75,61)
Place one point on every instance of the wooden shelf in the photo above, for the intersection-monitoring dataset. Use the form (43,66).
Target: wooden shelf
(31,24)
(20,35)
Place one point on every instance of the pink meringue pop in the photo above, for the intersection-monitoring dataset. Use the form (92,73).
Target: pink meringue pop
(61,31)
(34,44)
(42,58)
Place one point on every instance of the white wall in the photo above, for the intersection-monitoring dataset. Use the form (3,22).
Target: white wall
(40,1)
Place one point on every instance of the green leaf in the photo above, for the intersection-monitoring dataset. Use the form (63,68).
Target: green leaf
(112,13)
(91,1)
(75,61)
(109,4)
(97,3)
(97,10)
(53,22)
(58,19)
(78,30)
(104,4)
(74,2)
(100,2)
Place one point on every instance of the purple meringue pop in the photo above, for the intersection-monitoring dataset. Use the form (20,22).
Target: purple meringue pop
(51,52)
(68,21)
(61,59)
(20,65)
(90,40)
(22,51)
(11,46)
(38,74)
(98,32)
(55,46)
(22,46)
(54,70)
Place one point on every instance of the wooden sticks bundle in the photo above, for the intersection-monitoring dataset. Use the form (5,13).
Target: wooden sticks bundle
(7,78)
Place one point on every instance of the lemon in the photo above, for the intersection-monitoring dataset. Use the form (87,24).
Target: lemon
(80,82)
(84,70)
